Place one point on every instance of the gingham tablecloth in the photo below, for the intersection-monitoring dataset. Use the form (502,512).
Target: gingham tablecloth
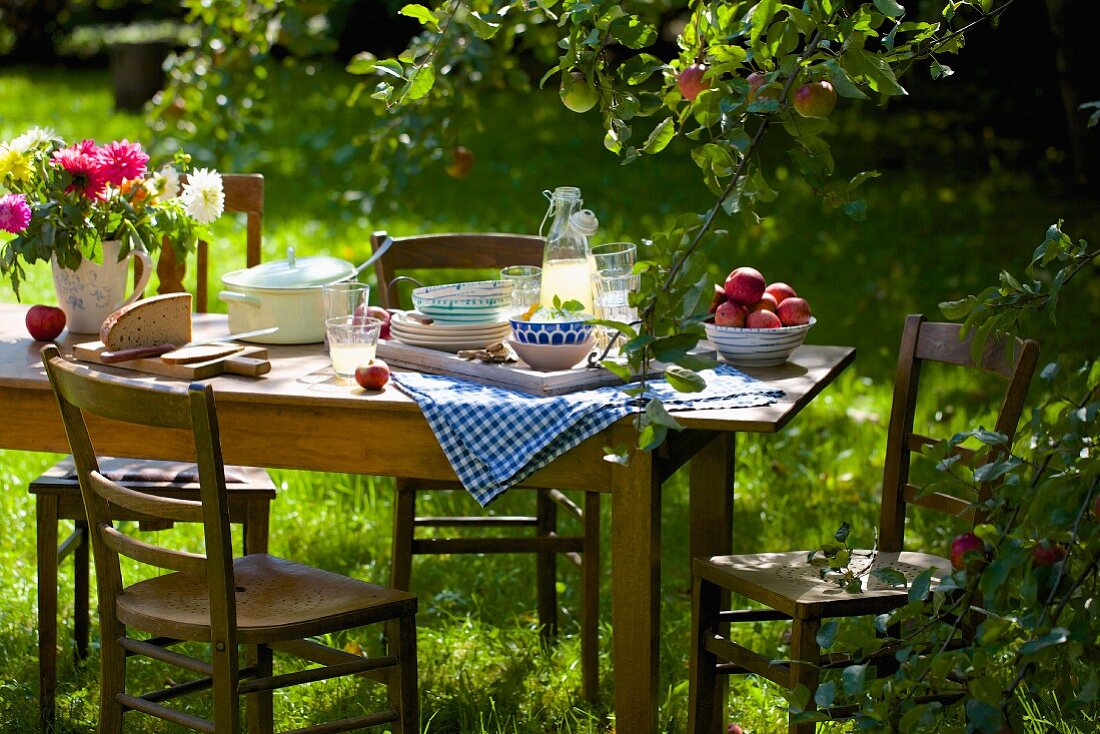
(495,438)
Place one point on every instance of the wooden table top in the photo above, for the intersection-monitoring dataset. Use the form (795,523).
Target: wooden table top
(301,376)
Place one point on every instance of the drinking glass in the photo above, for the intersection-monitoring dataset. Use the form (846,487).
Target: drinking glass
(613,258)
(352,341)
(611,301)
(526,283)
(347,298)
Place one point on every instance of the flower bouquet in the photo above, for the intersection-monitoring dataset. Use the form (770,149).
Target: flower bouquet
(63,202)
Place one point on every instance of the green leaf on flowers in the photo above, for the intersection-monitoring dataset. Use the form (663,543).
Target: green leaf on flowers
(651,436)
(422,14)
(826,636)
(697,362)
(842,532)
(855,586)
(660,137)
(878,73)
(684,380)
(956,310)
(985,688)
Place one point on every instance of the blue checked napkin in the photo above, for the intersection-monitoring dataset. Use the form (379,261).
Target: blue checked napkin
(496,438)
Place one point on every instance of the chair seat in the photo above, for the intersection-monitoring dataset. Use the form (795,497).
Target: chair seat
(146,475)
(788,583)
(276,600)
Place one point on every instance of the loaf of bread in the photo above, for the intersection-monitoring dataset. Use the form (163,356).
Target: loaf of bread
(151,321)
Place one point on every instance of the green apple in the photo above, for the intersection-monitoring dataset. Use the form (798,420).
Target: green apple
(576,92)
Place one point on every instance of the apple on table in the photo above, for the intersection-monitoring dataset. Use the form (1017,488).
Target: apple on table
(45,323)
(372,376)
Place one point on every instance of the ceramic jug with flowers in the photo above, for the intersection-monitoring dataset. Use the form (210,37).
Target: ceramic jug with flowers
(89,210)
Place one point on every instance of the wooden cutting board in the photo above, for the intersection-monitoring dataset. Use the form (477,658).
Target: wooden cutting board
(248,361)
(516,376)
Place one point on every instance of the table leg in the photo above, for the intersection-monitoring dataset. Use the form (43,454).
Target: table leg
(711,510)
(635,589)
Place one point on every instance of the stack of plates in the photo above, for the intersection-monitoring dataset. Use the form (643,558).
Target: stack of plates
(473,303)
(446,337)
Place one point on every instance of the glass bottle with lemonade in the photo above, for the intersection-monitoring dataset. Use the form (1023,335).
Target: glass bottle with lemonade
(566,266)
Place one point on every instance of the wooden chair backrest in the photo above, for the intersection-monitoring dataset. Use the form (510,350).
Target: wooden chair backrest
(244,194)
(466,251)
(82,391)
(924,341)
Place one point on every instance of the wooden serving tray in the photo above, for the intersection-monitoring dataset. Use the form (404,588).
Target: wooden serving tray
(249,362)
(515,376)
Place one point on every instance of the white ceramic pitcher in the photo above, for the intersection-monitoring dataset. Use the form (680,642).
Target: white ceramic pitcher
(92,292)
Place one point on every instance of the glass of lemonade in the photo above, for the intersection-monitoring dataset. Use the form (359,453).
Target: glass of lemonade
(346,298)
(611,297)
(352,341)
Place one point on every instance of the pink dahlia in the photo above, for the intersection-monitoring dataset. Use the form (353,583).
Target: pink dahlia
(86,169)
(122,160)
(15,213)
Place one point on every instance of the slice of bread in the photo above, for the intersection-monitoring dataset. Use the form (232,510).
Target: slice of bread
(151,321)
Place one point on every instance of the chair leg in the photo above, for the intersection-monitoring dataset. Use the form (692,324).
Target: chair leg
(256,523)
(404,516)
(46,518)
(805,655)
(112,674)
(260,707)
(81,603)
(590,599)
(402,691)
(704,716)
(546,566)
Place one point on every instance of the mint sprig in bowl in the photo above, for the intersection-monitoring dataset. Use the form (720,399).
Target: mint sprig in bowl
(561,324)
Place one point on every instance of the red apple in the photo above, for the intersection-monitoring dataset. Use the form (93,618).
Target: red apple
(1047,553)
(717,299)
(962,545)
(45,322)
(691,81)
(763,320)
(780,291)
(729,314)
(767,302)
(793,311)
(377,312)
(744,286)
(816,99)
(373,375)
(756,80)
(734,729)
(462,160)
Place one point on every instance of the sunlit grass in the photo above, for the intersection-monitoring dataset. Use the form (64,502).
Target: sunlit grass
(933,232)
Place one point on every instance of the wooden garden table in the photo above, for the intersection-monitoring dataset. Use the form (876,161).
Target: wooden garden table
(299,417)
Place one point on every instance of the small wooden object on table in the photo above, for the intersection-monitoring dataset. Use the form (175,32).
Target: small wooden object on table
(247,361)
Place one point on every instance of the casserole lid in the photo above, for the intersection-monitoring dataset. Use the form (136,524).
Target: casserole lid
(293,272)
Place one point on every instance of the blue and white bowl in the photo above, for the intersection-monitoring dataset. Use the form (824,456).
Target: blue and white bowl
(476,302)
(551,332)
(757,347)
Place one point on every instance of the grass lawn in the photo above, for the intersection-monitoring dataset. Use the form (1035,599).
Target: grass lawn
(948,214)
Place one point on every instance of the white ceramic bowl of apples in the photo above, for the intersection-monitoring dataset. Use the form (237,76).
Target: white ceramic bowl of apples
(757,324)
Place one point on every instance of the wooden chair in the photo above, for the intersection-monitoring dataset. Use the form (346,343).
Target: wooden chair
(259,601)
(57,491)
(792,589)
(470,251)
